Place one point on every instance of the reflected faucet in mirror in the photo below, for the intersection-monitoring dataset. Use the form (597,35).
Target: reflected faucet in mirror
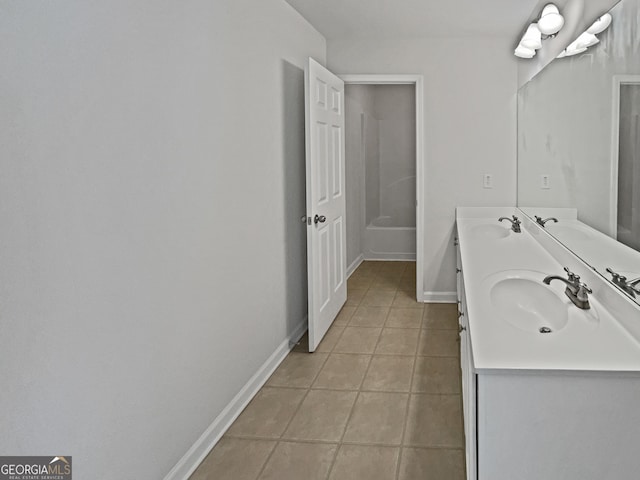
(629,287)
(515,223)
(541,222)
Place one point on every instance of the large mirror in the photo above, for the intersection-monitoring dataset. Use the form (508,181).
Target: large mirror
(579,150)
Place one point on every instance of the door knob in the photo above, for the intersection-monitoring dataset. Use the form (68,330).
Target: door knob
(319,218)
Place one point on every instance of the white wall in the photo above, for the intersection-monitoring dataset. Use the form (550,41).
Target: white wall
(360,147)
(152,256)
(470,127)
(396,113)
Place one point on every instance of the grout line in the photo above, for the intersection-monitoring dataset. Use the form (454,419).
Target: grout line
(344,442)
(406,413)
(353,407)
(297,409)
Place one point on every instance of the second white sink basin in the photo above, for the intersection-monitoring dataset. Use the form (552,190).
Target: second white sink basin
(568,232)
(492,232)
(521,299)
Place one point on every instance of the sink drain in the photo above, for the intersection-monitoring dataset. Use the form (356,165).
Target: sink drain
(545,330)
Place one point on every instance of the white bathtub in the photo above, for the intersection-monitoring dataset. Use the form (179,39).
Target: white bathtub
(383,241)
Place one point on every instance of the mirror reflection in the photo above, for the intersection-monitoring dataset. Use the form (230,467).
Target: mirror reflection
(579,150)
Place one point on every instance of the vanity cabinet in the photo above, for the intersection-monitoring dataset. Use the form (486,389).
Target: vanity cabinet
(531,424)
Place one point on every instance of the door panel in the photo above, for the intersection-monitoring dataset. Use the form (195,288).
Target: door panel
(326,206)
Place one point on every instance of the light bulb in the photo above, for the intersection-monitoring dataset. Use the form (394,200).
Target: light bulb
(600,25)
(532,37)
(574,49)
(524,52)
(550,21)
(586,40)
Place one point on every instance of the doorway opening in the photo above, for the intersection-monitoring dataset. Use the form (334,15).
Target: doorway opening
(625,175)
(384,177)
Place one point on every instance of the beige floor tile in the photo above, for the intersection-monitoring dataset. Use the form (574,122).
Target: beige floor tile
(297,370)
(437,375)
(439,343)
(406,299)
(330,339)
(295,461)
(268,413)
(355,462)
(234,459)
(404,318)
(393,267)
(377,418)
(385,282)
(369,316)
(344,316)
(432,464)
(358,340)
(398,341)
(441,316)
(322,416)
(434,421)
(343,371)
(389,373)
(408,287)
(378,298)
(303,344)
(409,275)
(359,282)
(355,296)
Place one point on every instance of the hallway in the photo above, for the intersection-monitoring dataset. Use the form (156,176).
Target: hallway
(378,400)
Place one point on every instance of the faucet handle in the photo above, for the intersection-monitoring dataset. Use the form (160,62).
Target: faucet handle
(572,276)
(616,277)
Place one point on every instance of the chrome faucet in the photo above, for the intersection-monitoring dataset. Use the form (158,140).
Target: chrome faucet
(540,221)
(515,223)
(577,291)
(628,286)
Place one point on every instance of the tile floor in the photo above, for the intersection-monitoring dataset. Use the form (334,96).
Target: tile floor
(378,400)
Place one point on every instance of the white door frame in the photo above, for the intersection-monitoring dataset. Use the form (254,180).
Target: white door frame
(418,81)
(618,81)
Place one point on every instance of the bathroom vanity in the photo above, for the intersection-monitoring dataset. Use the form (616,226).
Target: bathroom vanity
(550,390)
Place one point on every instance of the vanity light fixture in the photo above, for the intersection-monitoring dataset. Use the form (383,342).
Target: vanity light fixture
(588,38)
(550,21)
(548,25)
(600,25)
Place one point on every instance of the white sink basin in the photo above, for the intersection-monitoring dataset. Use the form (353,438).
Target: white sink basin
(520,298)
(568,232)
(492,232)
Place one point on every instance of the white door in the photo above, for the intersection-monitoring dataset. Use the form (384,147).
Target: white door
(326,206)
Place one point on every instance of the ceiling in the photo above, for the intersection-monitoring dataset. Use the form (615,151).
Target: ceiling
(339,19)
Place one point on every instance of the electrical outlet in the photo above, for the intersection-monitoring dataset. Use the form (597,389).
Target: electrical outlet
(545,181)
(487,180)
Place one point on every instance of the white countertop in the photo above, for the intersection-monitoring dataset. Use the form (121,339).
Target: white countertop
(582,345)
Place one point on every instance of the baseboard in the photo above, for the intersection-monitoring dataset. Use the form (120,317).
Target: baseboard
(201,448)
(440,297)
(390,257)
(355,264)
